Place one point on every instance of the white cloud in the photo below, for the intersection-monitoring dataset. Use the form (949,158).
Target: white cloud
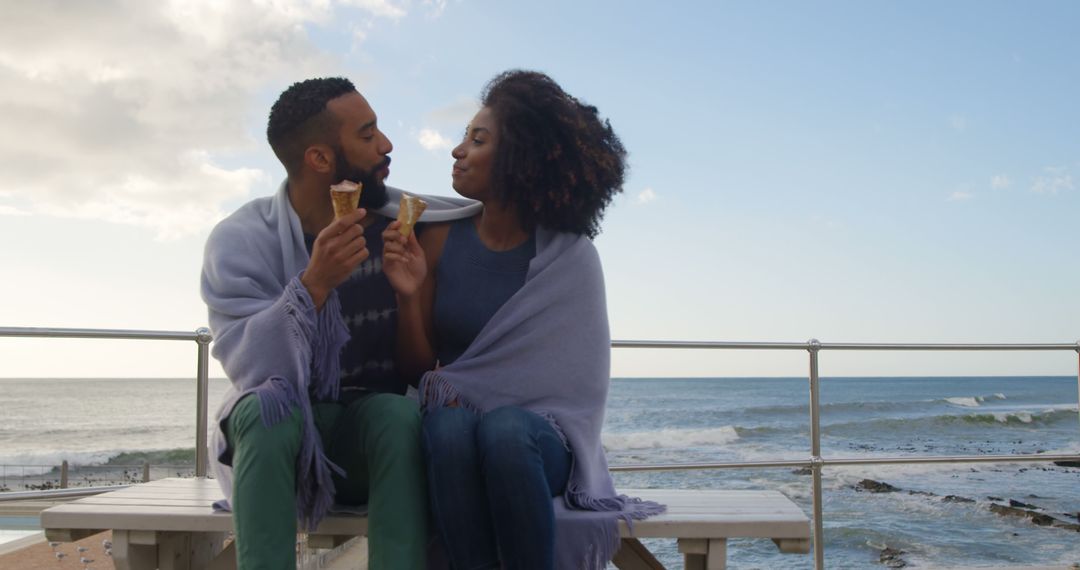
(457,114)
(431,139)
(117,109)
(435,8)
(645,196)
(959,123)
(1000,182)
(1055,180)
(960,196)
(12,211)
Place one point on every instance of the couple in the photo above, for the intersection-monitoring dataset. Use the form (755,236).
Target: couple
(496,310)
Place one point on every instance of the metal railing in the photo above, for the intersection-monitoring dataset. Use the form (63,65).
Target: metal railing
(816,462)
(202,338)
(814,347)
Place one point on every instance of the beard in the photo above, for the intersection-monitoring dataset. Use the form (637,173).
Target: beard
(374,189)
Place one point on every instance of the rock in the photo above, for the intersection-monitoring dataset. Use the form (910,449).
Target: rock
(1041,519)
(957,499)
(1066,526)
(1067,463)
(1018,504)
(995,498)
(1007,511)
(803,471)
(872,486)
(891,557)
(1037,518)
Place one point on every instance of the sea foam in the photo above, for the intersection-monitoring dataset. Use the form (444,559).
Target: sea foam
(670,438)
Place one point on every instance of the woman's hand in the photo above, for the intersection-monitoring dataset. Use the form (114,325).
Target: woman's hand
(404,262)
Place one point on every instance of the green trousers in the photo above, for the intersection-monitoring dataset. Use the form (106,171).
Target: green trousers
(375,439)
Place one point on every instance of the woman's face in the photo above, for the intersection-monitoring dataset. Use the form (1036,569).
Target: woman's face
(474,156)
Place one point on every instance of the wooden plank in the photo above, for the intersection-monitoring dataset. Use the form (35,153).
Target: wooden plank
(178,505)
(632,555)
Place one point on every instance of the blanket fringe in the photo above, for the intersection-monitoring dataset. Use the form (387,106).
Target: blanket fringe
(315,491)
(329,339)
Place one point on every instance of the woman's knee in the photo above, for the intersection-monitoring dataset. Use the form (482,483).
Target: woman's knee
(449,428)
(507,433)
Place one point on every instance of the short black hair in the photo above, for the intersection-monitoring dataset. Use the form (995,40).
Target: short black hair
(299,118)
(557,163)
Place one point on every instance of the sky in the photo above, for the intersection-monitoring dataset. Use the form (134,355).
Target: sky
(844,170)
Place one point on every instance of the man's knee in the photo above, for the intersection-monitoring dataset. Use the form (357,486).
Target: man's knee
(246,419)
(392,417)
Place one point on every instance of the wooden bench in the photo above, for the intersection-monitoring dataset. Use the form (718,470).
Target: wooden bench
(171,524)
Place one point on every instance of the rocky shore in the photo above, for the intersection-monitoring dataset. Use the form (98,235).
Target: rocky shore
(892,558)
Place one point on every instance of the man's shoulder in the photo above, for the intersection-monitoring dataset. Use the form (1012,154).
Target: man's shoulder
(252,216)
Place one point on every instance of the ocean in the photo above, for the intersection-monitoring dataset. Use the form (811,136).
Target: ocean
(671,420)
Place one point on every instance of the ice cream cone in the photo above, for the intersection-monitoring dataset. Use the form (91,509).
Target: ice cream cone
(345,197)
(409,212)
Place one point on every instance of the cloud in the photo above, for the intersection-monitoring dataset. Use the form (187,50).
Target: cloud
(122,109)
(435,8)
(960,196)
(645,196)
(431,139)
(12,211)
(458,114)
(1055,180)
(1000,182)
(959,123)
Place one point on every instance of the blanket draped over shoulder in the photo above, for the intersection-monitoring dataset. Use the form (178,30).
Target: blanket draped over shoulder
(269,337)
(548,350)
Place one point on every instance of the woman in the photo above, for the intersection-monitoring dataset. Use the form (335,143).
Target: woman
(508,308)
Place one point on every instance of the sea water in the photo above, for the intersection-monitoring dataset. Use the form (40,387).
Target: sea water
(714,420)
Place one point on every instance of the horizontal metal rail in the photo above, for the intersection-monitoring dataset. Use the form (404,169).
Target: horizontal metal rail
(33,332)
(841,345)
(842,462)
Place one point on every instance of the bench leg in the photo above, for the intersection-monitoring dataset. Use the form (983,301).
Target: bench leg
(147,550)
(704,554)
(130,550)
(633,555)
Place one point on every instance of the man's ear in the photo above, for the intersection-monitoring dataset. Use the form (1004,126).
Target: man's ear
(320,158)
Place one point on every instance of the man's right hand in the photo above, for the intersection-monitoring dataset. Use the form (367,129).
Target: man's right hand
(338,250)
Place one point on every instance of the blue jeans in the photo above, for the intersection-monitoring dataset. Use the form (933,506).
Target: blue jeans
(491,479)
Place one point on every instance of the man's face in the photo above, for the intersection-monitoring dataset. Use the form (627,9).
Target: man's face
(363,152)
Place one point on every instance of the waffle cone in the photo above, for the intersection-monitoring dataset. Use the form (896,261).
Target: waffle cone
(345,197)
(409,212)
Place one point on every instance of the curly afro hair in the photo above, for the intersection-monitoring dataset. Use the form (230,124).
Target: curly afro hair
(557,162)
(299,118)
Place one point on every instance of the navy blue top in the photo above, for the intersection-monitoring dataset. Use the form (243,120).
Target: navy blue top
(471,283)
(369,308)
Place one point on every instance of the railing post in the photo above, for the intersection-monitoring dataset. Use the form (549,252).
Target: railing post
(813,346)
(64,474)
(202,397)
(1078,378)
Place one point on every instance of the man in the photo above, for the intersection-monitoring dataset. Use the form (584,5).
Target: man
(305,328)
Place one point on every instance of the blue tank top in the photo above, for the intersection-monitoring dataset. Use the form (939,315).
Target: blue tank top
(471,283)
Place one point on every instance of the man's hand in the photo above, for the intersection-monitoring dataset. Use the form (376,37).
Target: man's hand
(403,261)
(338,250)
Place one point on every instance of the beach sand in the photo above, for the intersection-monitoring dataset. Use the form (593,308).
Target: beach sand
(41,556)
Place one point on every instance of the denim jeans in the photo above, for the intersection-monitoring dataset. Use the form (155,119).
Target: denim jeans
(491,479)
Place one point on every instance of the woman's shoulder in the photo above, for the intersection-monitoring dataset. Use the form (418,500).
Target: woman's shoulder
(433,238)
